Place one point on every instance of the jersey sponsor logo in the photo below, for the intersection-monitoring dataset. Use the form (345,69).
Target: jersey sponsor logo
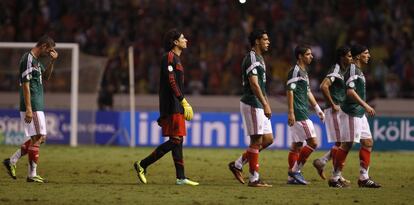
(170,68)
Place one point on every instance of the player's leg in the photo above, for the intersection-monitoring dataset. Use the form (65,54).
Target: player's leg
(38,136)
(253,158)
(365,156)
(332,125)
(34,153)
(337,180)
(11,163)
(293,157)
(177,155)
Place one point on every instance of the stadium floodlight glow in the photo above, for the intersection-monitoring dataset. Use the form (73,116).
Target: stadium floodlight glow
(242,1)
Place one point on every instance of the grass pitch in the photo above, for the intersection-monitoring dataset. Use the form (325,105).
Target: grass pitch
(105,175)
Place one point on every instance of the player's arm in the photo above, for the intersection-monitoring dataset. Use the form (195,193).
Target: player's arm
(188,110)
(352,94)
(291,111)
(326,83)
(27,101)
(315,106)
(254,85)
(49,69)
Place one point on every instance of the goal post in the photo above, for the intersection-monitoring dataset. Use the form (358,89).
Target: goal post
(74,47)
(131,95)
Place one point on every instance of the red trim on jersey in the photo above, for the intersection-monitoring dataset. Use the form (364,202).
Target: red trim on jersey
(170,57)
(179,67)
(173,125)
(173,85)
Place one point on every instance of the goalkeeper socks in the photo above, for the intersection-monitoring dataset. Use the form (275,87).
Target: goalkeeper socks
(292,159)
(177,155)
(159,152)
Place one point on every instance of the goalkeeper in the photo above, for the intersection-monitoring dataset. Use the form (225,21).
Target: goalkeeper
(174,109)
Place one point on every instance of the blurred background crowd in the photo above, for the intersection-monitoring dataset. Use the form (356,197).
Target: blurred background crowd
(217,32)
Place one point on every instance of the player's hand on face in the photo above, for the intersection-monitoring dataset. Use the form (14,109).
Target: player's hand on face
(370,111)
(336,108)
(53,54)
(28,116)
(267,111)
(291,119)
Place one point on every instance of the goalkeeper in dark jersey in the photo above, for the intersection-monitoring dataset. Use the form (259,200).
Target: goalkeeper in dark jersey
(174,109)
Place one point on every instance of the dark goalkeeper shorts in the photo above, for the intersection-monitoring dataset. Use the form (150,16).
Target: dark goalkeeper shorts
(173,125)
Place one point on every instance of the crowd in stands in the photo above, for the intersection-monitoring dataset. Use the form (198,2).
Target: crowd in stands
(217,33)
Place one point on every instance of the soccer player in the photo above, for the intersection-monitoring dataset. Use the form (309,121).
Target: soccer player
(300,127)
(333,89)
(356,127)
(31,76)
(174,109)
(255,109)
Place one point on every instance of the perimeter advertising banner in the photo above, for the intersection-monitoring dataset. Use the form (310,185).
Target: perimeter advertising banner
(207,129)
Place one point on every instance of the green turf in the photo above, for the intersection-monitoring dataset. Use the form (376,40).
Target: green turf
(105,175)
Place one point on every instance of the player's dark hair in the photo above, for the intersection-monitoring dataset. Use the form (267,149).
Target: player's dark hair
(45,39)
(341,52)
(170,37)
(256,34)
(301,50)
(357,49)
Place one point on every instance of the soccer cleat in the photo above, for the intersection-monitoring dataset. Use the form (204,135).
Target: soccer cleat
(319,165)
(344,181)
(292,182)
(186,182)
(258,183)
(368,183)
(236,172)
(337,184)
(37,179)
(140,172)
(298,177)
(11,168)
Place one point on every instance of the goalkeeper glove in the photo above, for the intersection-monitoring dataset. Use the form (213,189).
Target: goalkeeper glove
(188,110)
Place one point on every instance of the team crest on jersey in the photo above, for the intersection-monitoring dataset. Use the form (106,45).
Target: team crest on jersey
(170,68)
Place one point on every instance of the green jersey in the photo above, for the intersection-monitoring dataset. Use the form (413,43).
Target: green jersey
(354,79)
(337,88)
(298,82)
(253,64)
(31,71)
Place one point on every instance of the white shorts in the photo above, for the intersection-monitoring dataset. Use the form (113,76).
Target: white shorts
(333,125)
(302,130)
(254,120)
(355,128)
(37,126)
